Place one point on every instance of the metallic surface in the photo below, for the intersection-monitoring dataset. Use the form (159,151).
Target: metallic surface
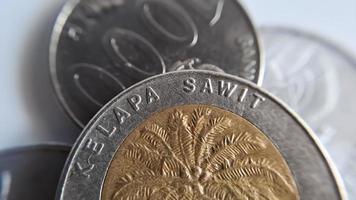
(207,152)
(86,169)
(319,85)
(99,48)
(31,172)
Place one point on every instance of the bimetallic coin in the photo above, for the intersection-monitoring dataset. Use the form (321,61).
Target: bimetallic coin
(201,150)
(31,172)
(317,79)
(99,48)
(200,135)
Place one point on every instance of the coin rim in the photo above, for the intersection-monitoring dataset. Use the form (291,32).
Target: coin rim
(309,132)
(66,12)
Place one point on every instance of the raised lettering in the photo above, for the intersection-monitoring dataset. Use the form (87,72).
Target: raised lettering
(106,132)
(121,115)
(93,147)
(257,101)
(243,95)
(207,86)
(85,170)
(135,102)
(178,26)
(151,95)
(189,85)
(225,89)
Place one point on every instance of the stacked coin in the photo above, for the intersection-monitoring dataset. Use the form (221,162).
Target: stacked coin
(31,172)
(168,93)
(201,135)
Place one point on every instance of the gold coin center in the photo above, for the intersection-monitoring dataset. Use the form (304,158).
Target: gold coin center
(198,152)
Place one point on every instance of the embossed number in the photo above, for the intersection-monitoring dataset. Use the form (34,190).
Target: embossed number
(106,85)
(133,52)
(170,21)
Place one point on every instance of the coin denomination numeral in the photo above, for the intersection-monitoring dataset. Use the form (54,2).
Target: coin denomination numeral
(87,75)
(132,52)
(93,147)
(172,22)
(218,12)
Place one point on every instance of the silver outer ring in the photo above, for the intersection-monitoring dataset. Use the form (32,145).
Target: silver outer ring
(67,11)
(316,176)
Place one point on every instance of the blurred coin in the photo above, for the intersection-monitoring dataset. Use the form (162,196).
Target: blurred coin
(31,172)
(200,135)
(5,180)
(99,48)
(317,79)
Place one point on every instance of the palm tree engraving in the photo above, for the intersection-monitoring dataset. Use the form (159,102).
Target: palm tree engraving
(197,155)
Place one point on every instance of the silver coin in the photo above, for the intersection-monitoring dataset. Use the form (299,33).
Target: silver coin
(86,169)
(316,78)
(99,48)
(31,172)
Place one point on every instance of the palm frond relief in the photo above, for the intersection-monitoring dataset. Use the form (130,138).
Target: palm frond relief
(197,155)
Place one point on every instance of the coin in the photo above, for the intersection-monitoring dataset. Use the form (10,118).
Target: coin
(31,172)
(316,78)
(200,135)
(5,179)
(99,48)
